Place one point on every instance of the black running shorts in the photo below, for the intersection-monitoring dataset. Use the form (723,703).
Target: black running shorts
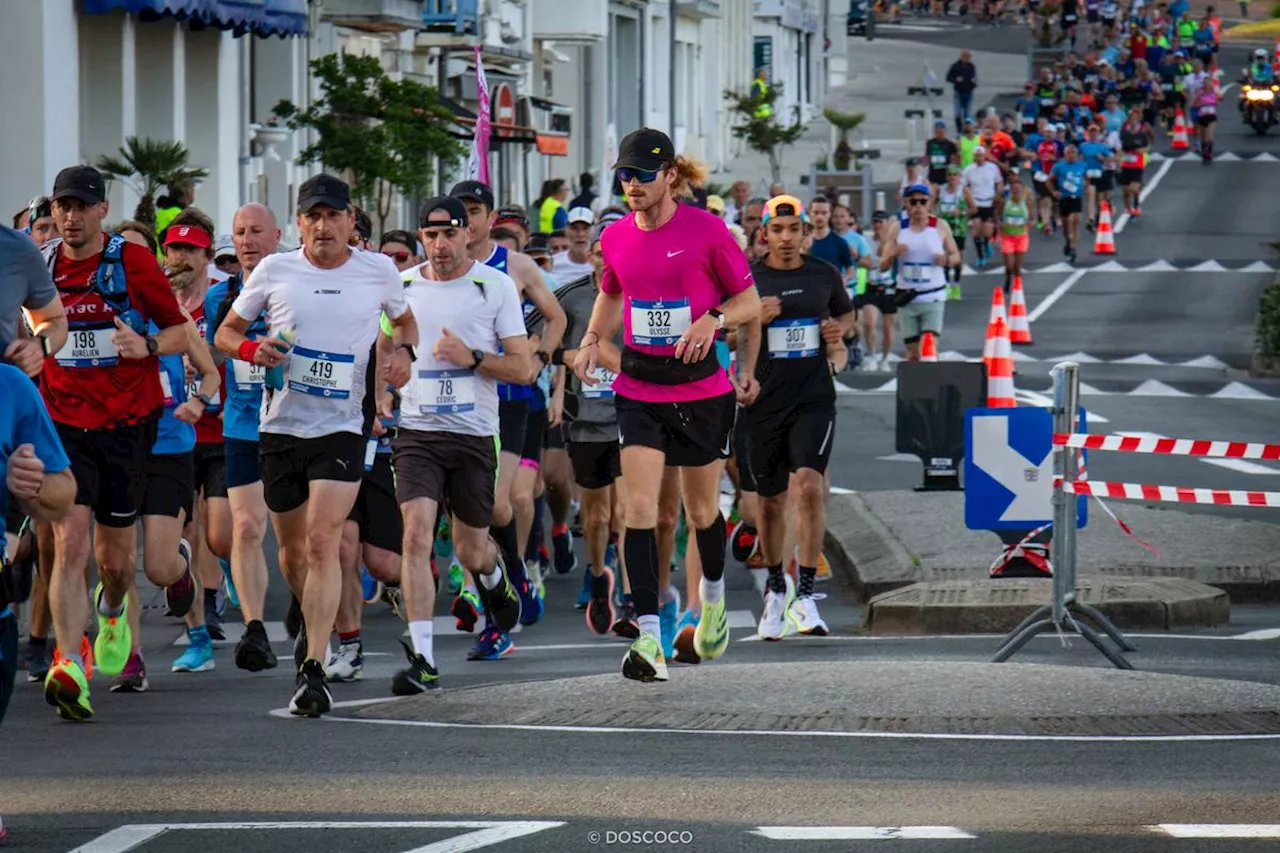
(596,464)
(211,470)
(1068,206)
(242,465)
(779,447)
(290,464)
(171,485)
(691,434)
(110,467)
(512,415)
(376,509)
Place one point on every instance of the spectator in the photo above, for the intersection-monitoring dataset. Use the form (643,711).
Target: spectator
(715,205)
(963,77)
(587,195)
(739,193)
(552,215)
(777,189)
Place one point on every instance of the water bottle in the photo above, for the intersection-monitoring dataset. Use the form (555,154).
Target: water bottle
(273,377)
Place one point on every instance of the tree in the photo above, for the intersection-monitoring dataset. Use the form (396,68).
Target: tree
(760,128)
(381,133)
(843,123)
(147,165)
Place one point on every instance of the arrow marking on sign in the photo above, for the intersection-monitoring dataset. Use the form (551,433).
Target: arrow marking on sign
(1032,496)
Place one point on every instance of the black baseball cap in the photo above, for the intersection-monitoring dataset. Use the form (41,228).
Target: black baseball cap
(474,190)
(83,182)
(324,189)
(450,205)
(645,149)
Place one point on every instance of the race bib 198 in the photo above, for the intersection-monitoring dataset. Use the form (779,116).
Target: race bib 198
(797,338)
(659,323)
(603,387)
(446,392)
(89,348)
(321,374)
(247,376)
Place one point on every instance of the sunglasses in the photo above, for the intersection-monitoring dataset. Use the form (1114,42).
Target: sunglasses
(645,176)
(398,257)
(225,261)
(914,202)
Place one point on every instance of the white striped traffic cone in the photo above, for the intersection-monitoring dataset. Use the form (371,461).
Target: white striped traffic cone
(997,313)
(928,347)
(1000,371)
(1019,322)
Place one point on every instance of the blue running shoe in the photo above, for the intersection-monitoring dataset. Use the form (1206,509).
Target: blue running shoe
(233,597)
(562,540)
(611,557)
(492,645)
(530,603)
(369,586)
(584,594)
(668,616)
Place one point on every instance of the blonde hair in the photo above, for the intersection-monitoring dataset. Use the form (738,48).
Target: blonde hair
(690,173)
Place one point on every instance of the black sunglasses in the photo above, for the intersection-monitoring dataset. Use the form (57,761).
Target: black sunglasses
(917,201)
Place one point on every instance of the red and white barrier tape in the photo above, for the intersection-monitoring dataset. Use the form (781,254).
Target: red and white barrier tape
(1171,494)
(1170,446)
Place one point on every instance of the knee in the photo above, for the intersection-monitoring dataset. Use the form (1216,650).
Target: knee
(640,514)
(702,516)
(419,536)
(665,520)
(810,490)
(522,501)
(597,511)
(772,509)
(471,552)
(349,546)
(502,512)
(248,530)
(322,544)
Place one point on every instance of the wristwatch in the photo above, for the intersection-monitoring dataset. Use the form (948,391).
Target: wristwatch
(719,317)
(478,355)
(44,345)
(203,398)
(413,353)
(152,345)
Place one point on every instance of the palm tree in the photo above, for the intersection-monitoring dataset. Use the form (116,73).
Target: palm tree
(843,123)
(148,165)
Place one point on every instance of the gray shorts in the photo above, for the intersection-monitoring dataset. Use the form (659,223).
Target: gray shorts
(446,466)
(916,318)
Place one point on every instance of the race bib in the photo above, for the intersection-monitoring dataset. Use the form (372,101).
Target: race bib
(1048,102)
(446,392)
(247,376)
(1015,221)
(89,348)
(938,160)
(916,274)
(659,323)
(1041,176)
(166,389)
(798,338)
(321,374)
(1094,173)
(215,400)
(604,384)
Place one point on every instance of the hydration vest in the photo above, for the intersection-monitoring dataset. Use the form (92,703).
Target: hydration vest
(109,280)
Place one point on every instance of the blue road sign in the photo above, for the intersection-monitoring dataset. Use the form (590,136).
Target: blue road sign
(1008,469)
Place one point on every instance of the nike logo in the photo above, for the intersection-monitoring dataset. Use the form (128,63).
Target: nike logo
(727,441)
(671,254)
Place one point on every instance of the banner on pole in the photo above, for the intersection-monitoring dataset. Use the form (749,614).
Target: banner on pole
(610,157)
(478,161)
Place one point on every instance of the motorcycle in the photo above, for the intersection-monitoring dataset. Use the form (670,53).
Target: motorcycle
(1258,105)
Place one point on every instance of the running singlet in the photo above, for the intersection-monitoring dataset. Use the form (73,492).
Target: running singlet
(506,391)
(952,209)
(1013,223)
(669,278)
(209,427)
(1070,178)
(242,381)
(172,435)
(1094,153)
(917,269)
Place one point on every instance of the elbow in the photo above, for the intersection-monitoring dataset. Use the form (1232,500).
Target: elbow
(56,497)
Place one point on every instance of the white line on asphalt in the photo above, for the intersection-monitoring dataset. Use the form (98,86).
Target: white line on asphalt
(836,490)
(1124,218)
(859,833)
(1057,294)
(1218,830)
(1249,636)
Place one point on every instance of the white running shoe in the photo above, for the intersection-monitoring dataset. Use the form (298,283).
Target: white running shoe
(886,366)
(773,622)
(803,617)
(871,363)
(347,664)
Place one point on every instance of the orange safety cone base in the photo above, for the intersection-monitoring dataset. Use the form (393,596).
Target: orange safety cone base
(928,347)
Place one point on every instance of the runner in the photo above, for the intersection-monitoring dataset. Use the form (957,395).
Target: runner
(1204,106)
(576,262)
(1135,139)
(1068,180)
(952,208)
(1015,232)
(103,392)
(322,306)
(675,403)
(941,154)
(473,336)
(826,245)
(878,307)
(1099,162)
(920,245)
(983,188)
(791,423)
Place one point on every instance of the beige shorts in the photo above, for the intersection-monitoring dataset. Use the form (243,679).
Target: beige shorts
(916,318)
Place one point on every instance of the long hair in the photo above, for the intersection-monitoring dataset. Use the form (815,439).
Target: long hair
(550,187)
(690,173)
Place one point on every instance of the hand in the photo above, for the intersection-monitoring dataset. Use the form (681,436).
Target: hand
(378,429)
(747,388)
(832,333)
(27,355)
(385,411)
(900,250)
(129,344)
(451,348)
(584,363)
(770,308)
(190,411)
(26,473)
(940,259)
(271,351)
(398,369)
(699,340)
(555,413)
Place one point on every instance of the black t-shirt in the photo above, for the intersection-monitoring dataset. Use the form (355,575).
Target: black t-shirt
(939,154)
(794,372)
(833,249)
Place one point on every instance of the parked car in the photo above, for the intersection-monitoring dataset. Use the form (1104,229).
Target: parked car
(857,22)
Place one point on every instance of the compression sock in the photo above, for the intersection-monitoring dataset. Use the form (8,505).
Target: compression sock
(807,576)
(711,549)
(641,547)
(777,579)
(507,544)
(210,598)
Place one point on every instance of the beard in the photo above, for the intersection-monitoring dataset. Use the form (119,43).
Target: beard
(181,276)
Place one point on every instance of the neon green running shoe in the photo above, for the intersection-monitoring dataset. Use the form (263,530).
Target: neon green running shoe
(711,637)
(644,660)
(112,645)
(66,689)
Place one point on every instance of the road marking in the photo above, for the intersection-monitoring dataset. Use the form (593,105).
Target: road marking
(1035,398)
(1058,293)
(1260,635)
(1147,190)
(1238,391)
(858,833)
(1218,830)
(486,834)
(836,490)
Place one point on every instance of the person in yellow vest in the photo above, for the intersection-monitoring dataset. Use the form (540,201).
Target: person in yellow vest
(552,215)
(177,198)
(760,89)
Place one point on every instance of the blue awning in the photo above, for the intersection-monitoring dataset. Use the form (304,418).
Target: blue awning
(258,17)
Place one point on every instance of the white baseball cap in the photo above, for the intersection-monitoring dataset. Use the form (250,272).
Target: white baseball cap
(224,246)
(582,214)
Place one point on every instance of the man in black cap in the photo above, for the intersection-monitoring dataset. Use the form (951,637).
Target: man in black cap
(324,303)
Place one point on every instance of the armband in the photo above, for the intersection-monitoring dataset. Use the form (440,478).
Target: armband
(248,349)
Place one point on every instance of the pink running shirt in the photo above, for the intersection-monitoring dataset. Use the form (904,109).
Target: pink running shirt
(669,278)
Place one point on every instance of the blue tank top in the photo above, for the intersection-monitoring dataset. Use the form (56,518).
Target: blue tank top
(243,400)
(507,392)
(172,435)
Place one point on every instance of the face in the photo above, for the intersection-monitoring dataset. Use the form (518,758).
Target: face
(479,221)
(917,205)
(979,156)
(1016,190)
(840,219)
(136,239)
(784,236)
(400,254)
(326,232)
(77,222)
(43,230)
(184,264)
(509,243)
(579,236)
(1070,153)
(740,192)
(820,214)
(751,217)
(254,234)
(645,190)
(446,245)
(227,264)
(597,259)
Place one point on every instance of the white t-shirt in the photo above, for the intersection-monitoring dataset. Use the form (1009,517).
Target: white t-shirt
(982,182)
(482,307)
(565,269)
(335,314)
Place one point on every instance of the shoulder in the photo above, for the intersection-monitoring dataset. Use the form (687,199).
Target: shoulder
(822,269)
(217,291)
(487,276)
(376,263)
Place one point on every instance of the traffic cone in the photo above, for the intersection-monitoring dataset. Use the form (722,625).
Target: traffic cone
(1000,371)
(1180,140)
(928,347)
(997,313)
(1105,241)
(1019,323)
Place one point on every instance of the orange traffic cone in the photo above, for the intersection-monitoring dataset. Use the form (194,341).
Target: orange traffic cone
(1000,371)
(1019,323)
(928,347)
(1180,140)
(997,313)
(1105,241)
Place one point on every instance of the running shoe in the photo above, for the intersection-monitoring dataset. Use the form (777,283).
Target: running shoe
(562,541)
(346,664)
(114,641)
(626,625)
(773,622)
(544,558)
(492,645)
(229,583)
(197,658)
(133,678)
(600,607)
(457,578)
(86,655)
(804,618)
(466,609)
(67,689)
(502,603)
(685,653)
(370,586)
(531,595)
(742,541)
(823,573)
(213,620)
(668,616)
(644,660)
(253,652)
(311,698)
(584,594)
(36,661)
(711,637)
(181,594)
(418,678)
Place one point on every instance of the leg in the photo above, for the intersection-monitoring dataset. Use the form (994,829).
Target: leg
(325,513)
(668,502)
(351,600)
(248,563)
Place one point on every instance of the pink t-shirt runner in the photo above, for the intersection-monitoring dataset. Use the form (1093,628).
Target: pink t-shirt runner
(668,278)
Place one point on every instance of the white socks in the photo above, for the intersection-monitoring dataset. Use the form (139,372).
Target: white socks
(712,591)
(652,626)
(492,579)
(421,634)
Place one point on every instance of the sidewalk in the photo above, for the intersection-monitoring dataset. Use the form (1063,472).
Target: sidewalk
(879,74)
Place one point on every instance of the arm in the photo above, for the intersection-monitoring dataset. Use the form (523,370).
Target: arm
(198,354)
(50,321)
(555,411)
(56,495)
(394,360)
(949,244)
(889,248)
(512,366)
(528,276)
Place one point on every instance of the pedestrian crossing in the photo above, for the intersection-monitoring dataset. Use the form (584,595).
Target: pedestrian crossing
(870,385)
(1210,266)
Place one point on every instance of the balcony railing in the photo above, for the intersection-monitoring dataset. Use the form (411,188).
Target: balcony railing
(459,16)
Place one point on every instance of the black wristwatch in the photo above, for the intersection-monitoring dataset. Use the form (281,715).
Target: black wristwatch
(478,355)
(413,353)
(203,398)
(718,316)
(153,345)
(44,345)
